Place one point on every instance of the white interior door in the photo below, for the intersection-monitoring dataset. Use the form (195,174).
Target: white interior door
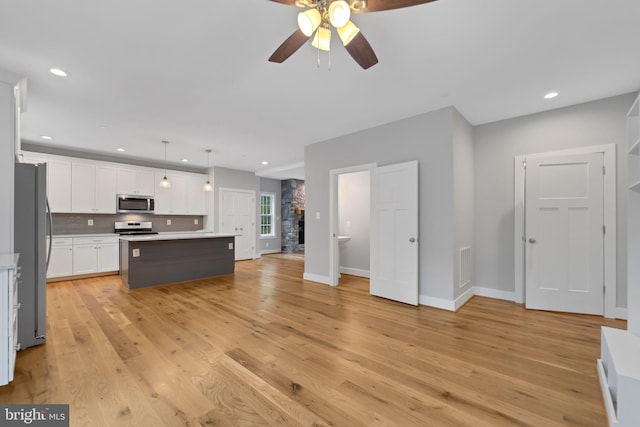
(564,226)
(237,213)
(394,232)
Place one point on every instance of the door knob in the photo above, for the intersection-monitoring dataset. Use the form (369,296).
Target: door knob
(412,239)
(532,240)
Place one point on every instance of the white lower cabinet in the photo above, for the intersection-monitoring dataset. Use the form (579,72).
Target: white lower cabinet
(73,256)
(61,261)
(8,316)
(95,255)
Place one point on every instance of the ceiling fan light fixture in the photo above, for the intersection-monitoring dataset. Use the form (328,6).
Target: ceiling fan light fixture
(358,4)
(339,13)
(347,32)
(322,39)
(309,21)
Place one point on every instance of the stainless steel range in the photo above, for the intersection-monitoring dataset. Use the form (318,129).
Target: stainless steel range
(134,227)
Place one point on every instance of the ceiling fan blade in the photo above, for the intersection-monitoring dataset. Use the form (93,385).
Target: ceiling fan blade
(378,5)
(360,49)
(289,46)
(288,2)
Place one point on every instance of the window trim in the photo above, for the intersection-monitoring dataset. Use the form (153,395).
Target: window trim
(272,197)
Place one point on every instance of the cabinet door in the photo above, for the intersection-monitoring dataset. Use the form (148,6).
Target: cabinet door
(195,196)
(127,181)
(162,196)
(146,183)
(59,185)
(178,194)
(83,188)
(108,257)
(85,259)
(105,191)
(61,261)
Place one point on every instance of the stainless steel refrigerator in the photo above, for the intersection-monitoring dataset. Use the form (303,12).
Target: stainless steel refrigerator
(30,236)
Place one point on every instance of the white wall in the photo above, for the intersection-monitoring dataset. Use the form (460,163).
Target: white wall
(463,197)
(496,144)
(354,213)
(426,138)
(271,244)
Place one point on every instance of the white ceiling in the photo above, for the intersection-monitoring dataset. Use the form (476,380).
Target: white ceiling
(196,72)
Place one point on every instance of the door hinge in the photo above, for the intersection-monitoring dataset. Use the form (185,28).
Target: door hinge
(524,164)
(604,229)
(604,289)
(604,170)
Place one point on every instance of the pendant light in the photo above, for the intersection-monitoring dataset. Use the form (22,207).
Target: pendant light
(164,183)
(207,185)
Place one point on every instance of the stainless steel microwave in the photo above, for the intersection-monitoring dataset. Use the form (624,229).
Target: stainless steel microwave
(134,204)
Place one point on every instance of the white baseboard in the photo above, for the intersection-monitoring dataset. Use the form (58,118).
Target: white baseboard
(441,303)
(621,313)
(317,278)
(454,305)
(462,299)
(355,271)
(269,251)
(494,293)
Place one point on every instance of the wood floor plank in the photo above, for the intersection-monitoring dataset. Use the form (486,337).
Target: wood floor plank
(265,347)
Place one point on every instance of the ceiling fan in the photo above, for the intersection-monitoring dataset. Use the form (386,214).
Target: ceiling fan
(321,15)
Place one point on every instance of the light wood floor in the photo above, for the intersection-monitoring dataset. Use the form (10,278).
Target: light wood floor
(263,347)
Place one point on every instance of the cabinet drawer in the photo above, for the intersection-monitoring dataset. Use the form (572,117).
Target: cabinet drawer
(95,240)
(60,241)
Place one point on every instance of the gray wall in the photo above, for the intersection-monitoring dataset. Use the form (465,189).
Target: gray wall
(463,197)
(496,145)
(426,138)
(354,213)
(271,244)
(237,180)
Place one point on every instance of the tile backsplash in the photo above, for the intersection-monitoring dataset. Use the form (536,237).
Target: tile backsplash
(68,223)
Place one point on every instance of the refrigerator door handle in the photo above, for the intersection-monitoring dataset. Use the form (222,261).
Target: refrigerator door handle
(50,220)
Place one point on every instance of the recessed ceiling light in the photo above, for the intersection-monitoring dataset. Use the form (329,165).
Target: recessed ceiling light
(58,72)
(47,137)
(119,149)
(264,162)
(184,160)
(551,95)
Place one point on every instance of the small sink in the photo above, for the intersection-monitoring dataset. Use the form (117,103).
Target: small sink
(343,239)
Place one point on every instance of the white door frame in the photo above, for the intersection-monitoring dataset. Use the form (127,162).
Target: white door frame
(252,238)
(610,279)
(334,263)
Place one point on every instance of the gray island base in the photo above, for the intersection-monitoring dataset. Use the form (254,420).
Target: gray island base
(163,259)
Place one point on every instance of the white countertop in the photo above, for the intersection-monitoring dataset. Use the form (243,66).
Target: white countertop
(175,236)
(62,236)
(8,261)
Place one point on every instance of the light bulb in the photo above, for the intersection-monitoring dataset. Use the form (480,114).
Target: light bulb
(165,182)
(308,21)
(322,39)
(348,32)
(339,13)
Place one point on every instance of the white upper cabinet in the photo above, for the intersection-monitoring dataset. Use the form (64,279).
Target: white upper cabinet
(59,185)
(88,186)
(172,200)
(58,179)
(134,181)
(196,196)
(93,188)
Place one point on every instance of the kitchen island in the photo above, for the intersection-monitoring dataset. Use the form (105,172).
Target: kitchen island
(159,259)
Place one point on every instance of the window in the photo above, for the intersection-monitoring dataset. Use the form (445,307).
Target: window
(267,215)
